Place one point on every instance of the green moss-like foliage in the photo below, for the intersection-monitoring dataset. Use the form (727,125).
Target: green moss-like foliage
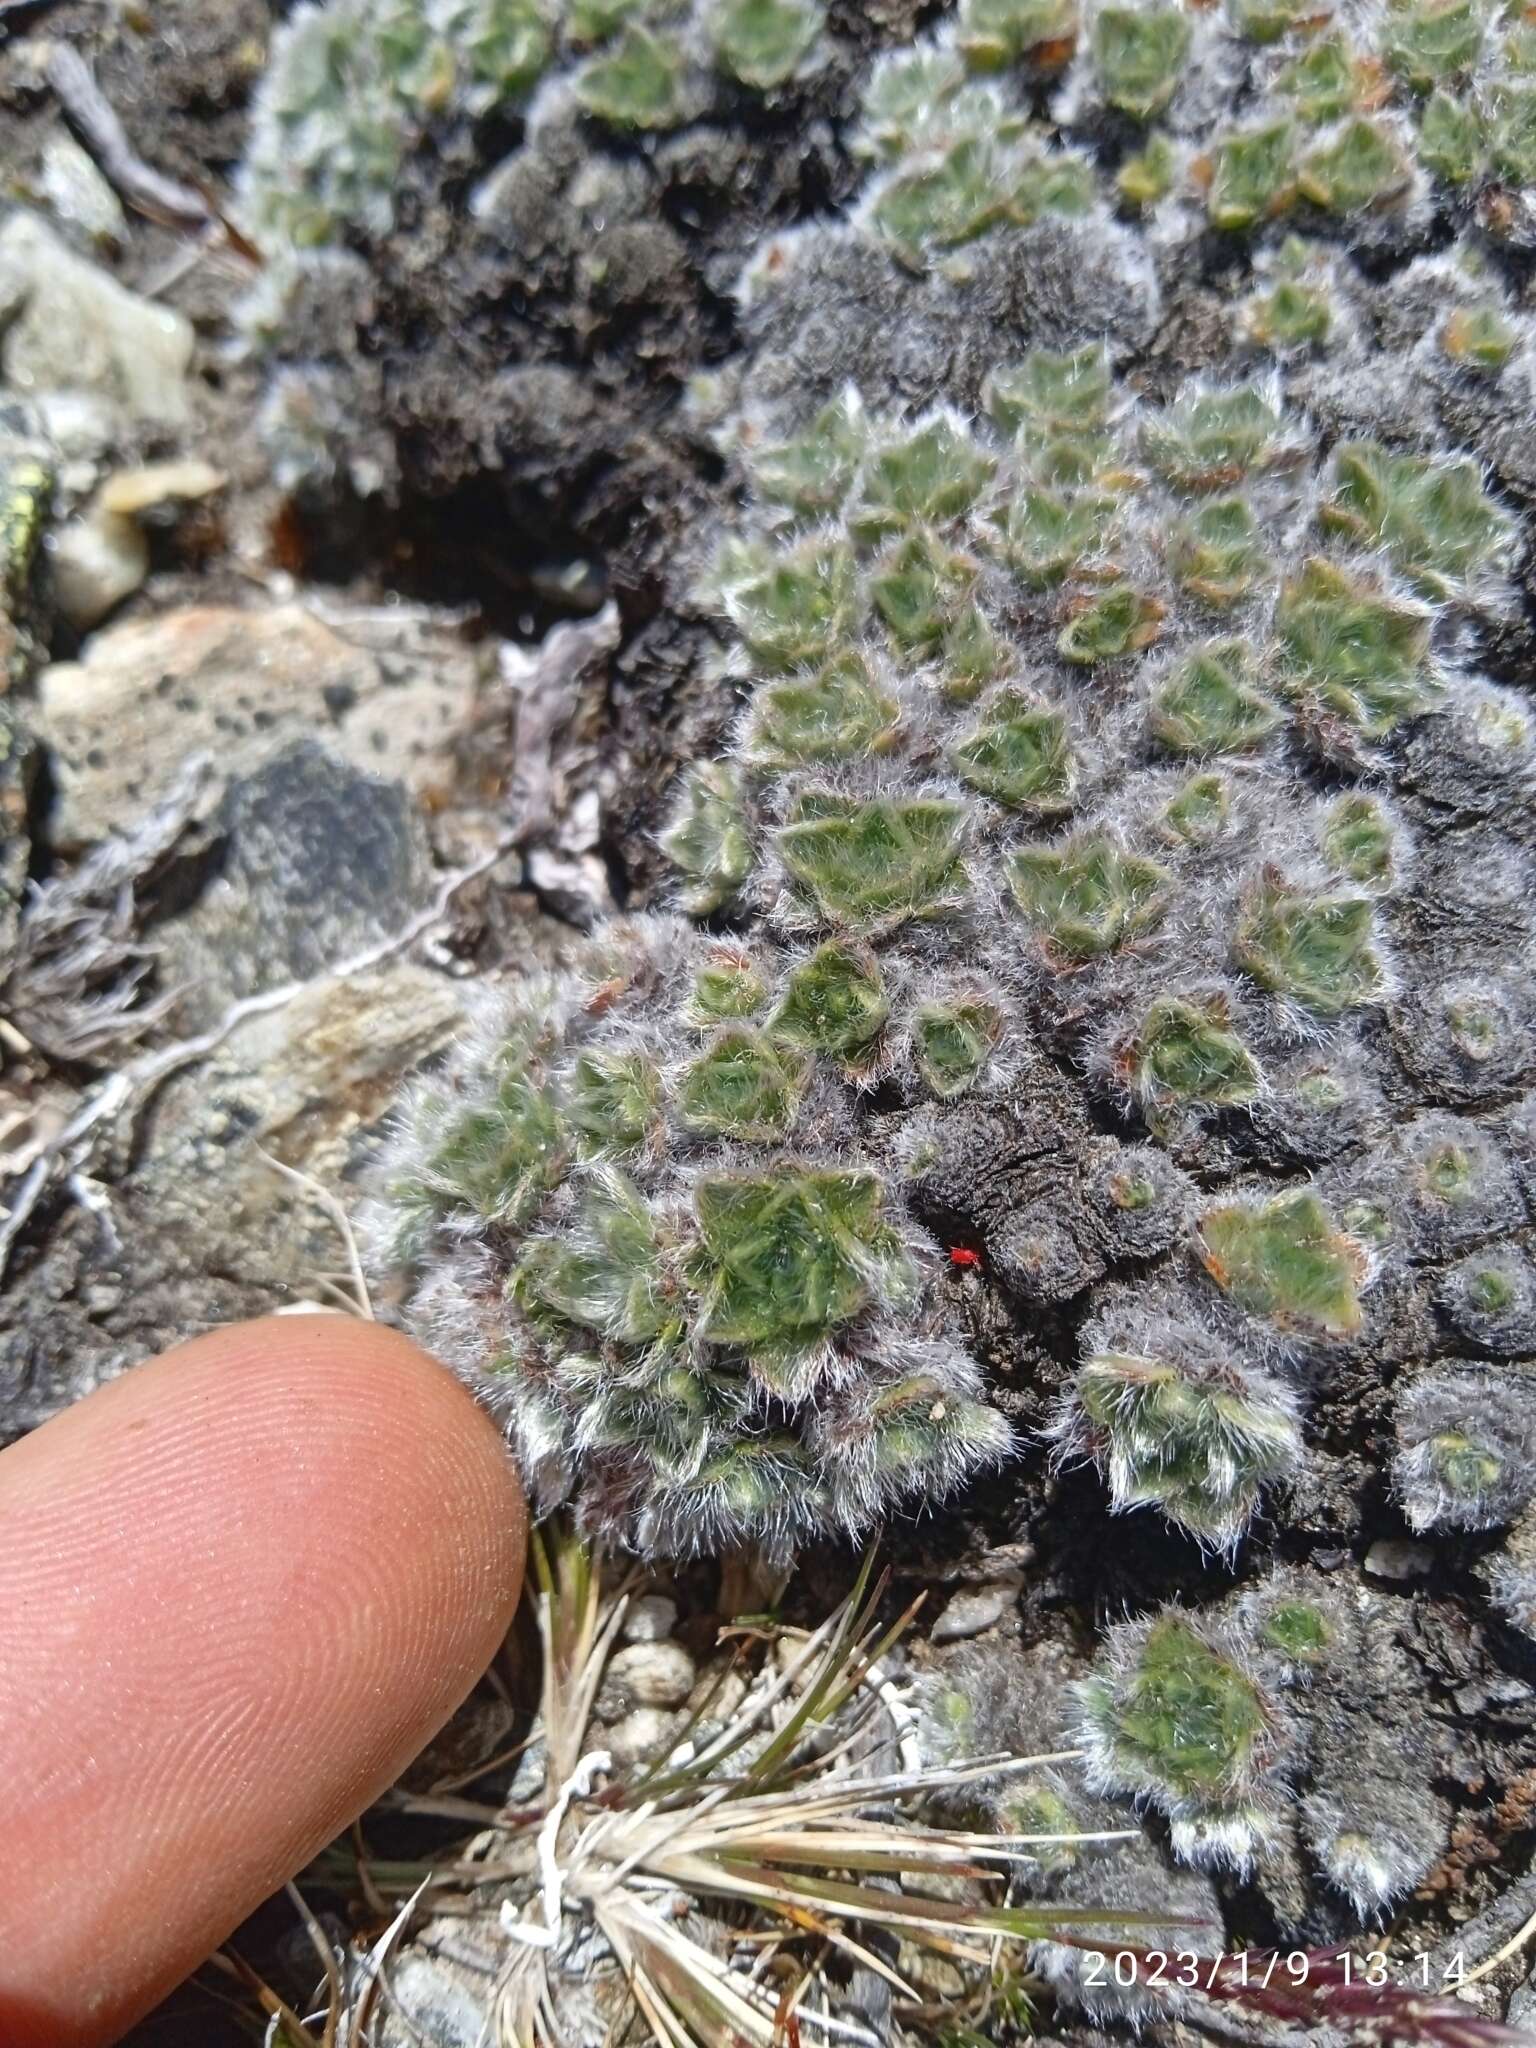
(762,43)
(1198,812)
(995,34)
(784,1259)
(594,21)
(1351,654)
(1433,518)
(931,476)
(1427,42)
(985,178)
(609,1276)
(728,986)
(920,590)
(1253,175)
(907,93)
(1317,949)
(1450,1172)
(1294,315)
(745,1086)
(1358,841)
(1490,1290)
(1300,1631)
(1149,175)
(1200,1447)
(944,203)
(971,655)
(918,1425)
(1209,704)
(1184,1722)
(613,1099)
(1462,1464)
(1512,133)
(1286,1263)
(1218,553)
(497,1159)
(1451,139)
(1087,895)
(811,473)
(1046,534)
(870,866)
(791,606)
(838,714)
(952,1041)
(1139,54)
(707,838)
(1359,167)
(1020,754)
(1323,83)
(637,82)
(835,1003)
(1187,1054)
(680,1216)
(1266,21)
(1211,440)
(503,48)
(1479,338)
(1120,620)
(1048,394)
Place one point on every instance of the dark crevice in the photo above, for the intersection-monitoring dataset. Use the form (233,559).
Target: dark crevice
(500,555)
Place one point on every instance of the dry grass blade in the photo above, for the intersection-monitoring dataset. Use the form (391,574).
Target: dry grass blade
(335,2002)
(284,2027)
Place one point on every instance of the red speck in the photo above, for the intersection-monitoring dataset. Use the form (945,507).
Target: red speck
(962,1255)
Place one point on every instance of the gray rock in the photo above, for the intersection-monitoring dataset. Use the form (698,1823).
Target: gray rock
(78,196)
(643,1736)
(123,348)
(435,1998)
(317,861)
(203,1231)
(103,556)
(96,564)
(647,1674)
(650,1619)
(976,1609)
(391,697)
(1398,1560)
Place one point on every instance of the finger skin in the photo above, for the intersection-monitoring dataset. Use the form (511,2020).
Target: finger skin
(240,1588)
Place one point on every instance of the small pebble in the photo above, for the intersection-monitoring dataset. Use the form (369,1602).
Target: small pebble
(1398,1559)
(528,1778)
(978,1608)
(719,1690)
(643,1736)
(646,1675)
(650,1619)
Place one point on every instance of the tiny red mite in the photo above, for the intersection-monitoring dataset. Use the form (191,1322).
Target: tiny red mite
(962,1255)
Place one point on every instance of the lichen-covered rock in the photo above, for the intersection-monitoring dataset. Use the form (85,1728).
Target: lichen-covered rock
(243,686)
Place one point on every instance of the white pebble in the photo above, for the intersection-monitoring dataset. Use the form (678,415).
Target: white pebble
(650,1619)
(643,1737)
(647,1675)
(978,1608)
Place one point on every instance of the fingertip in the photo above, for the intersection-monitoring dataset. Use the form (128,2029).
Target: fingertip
(247,1581)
